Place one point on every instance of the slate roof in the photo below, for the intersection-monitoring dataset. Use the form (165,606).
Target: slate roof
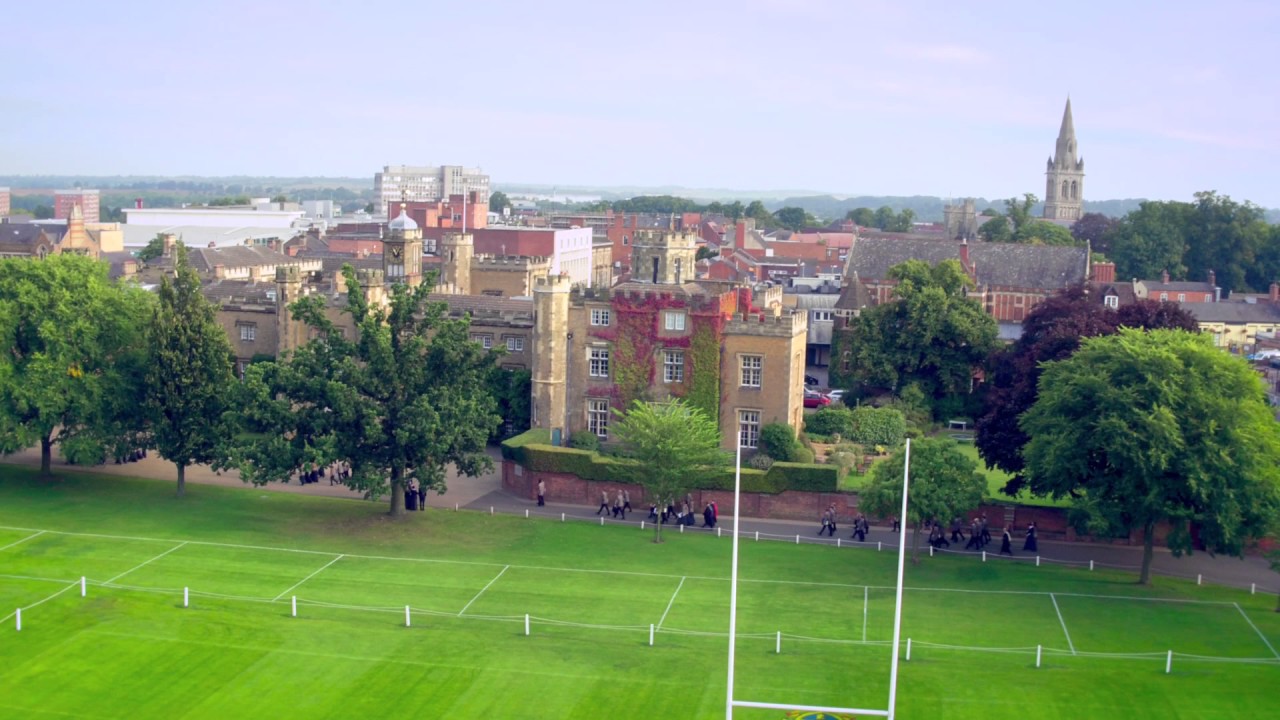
(1233,313)
(1039,267)
(853,295)
(487,306)
(18,237)
(333,265)
(203,259)
(222,291)
(1122,290)
(1177,286)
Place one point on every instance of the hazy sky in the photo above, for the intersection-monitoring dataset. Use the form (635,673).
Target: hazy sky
(896,97)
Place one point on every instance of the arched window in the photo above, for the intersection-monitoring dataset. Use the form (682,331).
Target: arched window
(1075,190)
(1066,194)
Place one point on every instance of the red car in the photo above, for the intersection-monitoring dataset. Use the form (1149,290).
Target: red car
(814,399)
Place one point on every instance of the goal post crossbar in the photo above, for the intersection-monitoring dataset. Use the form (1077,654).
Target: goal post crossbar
(810,708)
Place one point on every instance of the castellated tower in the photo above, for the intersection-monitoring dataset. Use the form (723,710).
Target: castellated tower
(1064,184)
(551,355)
(291,333)
(663,257)
(456,251)
(402,250)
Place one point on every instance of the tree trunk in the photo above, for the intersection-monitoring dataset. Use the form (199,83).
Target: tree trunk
(397,494)
(915,544)
(182,480)
(657,534)
(46,457)
(1148,550)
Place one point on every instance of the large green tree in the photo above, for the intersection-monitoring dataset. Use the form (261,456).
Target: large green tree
(943,484)
(403,399)
(1150,427)
(674,445)
(932,336)
(189,374)
(498,201)
(70,344)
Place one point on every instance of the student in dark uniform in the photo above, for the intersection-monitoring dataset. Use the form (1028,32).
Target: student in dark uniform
(542,493)
(1006,543)
(1030,544)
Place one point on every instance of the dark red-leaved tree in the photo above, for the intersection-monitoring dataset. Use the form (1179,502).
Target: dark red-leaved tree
(1052,331)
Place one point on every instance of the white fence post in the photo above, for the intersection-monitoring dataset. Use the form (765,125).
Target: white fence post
(1253,588)
(82,586)
(293,609)
(718,531)
(1090,566)
(641,524)
(908,649)
(757,536)
(602,522)
(650,634)
(1037,561)
(837,542)
(186,597)
(490,509)
(1168,664)
(561,517)
(406,616)
(984,556)
(930,551)
(1038,656)
(681,526)
(18,622)
(777,648)
(526,624)
(526,512)
(797,539)
(1199,579)
(879,546)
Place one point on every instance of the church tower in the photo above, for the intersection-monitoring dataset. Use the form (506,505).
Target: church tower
(1064,184)
(402,251)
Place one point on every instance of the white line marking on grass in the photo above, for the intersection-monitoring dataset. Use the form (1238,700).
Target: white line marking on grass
(299,583)
(19,542)
(42,601)
(1265,641)
(866,598)
(670,603)
(142,565)
(486,587)
(1070,646)
(39,579)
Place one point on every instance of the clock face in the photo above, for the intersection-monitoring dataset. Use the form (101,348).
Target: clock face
(395,252)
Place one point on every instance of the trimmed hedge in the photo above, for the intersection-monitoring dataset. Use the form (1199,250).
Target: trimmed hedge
(531,450)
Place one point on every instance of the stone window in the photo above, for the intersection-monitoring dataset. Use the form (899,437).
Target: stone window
(752,371)
(820,315)
(1182,297)
(749,428)
(248,331)
(599,362)
(1111,301)
(486,340)
(515,343)
(600,317)
(598,418)
(674,320)
(672,366)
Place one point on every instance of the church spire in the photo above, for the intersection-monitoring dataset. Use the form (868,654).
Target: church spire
(1068,130)
(1064,181)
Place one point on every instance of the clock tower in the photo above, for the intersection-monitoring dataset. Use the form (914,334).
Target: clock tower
(402,250)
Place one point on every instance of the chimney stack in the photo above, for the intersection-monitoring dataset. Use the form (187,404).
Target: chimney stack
(1275,292)
(1164,276)
(137,203)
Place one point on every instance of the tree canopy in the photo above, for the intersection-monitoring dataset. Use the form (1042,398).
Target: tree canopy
(1148,427)
(153,249)
(189,374)
(1051,331)
(932,336)
(70,350)
(943,484)
(403,399)
(675,446)
(498,201)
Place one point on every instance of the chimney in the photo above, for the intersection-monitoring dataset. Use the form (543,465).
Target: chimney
(1104,272)
(137,203)
(964,254)
(170,241)
(1213,280)
(1274,296)
(1164,276)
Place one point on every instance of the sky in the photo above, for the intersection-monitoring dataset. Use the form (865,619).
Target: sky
(846,97)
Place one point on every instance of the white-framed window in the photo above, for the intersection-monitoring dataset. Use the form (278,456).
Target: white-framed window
(598,363)
(674,320)
(600,317)
(1111,301)
(515,343)
(749,428)
(820,316)
(1182,297)
(752,370)
(486,341)
(598,417)
(1164,296)
(248,332)
(672,366)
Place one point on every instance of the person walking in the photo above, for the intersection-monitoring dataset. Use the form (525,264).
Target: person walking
(975,536)
(707,521)
(1006,543)
(626,503)
(604,502)
(826,521)
(542,493)
(1031,545)
(860,527)
(617,506)
(897,524)
(957,530)
(653,513)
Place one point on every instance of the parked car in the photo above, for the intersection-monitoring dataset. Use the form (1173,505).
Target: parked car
(815,399)
(836,396)
(810,380)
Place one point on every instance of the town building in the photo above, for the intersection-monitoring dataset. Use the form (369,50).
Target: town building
(86,200)
(1114,294)
(1237,327)
(730,350)
(214,226)
(4,202)
(1064,176)
(433,183)
(569,250)
(41,239)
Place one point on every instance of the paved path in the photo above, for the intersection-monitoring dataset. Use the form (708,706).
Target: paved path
(485,494)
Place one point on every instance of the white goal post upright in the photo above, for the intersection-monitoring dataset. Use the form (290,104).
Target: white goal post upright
(902,566)
(733,575)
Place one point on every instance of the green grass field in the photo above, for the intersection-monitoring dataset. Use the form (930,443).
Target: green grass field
(131,650)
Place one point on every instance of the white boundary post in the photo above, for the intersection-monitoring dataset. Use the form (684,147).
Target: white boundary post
(777,648)
(602,523)
(1090,566)
(82,586)
(490,509)
(902,568)
(837,542)
(1038,648)
(1168,664)
(681,525)
(908,649)
(718,529)
(186,597)
(1037,561)
(561,517)
(407,622)
(293,606)
(879,546)
(1199,579)
(526,513)
(650,634)
(797,539)
(526,624)
(757,536)
(455,507)
(733,574)
(930,551)
(984,556)
(1253,588)
(18,622)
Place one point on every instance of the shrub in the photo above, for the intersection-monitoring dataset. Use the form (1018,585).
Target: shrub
(778,441)
(802,455)
(830,420)
(878,426)
(760,461)
(584,440)
(83,450)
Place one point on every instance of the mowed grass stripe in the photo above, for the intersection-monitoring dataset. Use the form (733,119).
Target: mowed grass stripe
(394,583)
(1104,625)
(58,555)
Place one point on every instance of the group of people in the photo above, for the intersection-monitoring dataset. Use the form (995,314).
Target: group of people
(860,524)
(131,456)
(979,536)
(684,515)
(415,496)
(337,474)
(621,503)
